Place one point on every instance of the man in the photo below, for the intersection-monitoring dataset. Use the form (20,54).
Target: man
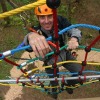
(41,47)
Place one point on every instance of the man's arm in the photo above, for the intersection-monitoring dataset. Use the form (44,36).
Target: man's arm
(74,34)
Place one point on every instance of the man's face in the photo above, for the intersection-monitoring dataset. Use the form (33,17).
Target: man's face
(46,21)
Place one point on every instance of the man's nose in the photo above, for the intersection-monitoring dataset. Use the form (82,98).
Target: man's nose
(46,19)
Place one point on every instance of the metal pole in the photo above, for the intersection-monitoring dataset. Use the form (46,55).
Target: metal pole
(51,79)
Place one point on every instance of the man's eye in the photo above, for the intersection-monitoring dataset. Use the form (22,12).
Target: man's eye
(42,17)
(50,16)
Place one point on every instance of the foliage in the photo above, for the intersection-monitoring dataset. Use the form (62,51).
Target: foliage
(61,9)
(98,67)
(29,17)
(66,9)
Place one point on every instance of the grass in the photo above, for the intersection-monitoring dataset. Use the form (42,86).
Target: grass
(5,70)
(10,38)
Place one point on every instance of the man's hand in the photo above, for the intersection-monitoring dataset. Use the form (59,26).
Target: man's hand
(72,44)
(39,44)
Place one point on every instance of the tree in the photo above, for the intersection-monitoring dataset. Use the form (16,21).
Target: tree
(4,9)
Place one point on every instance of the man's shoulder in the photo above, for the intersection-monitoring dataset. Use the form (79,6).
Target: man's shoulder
(63,22)
(60,17)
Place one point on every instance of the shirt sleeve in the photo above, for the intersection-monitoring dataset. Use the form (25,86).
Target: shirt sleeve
(75,32)
(63,22)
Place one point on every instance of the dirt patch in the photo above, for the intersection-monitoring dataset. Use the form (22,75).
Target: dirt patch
(93,56)
(3,91)
(87,12)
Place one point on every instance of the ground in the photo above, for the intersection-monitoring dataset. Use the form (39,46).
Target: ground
(90,15)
